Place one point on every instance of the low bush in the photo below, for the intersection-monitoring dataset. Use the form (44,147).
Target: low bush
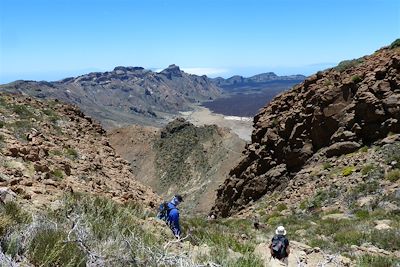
(326,165)
(368,260)
(367,168)
(22,111)
(346,64)
(49,248)
(356,79)
(71,153)
(348,170)
(395,44)
(281,207)
(393,175)
(57,174)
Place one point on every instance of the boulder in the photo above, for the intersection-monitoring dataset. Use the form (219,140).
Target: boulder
(341,148)
(7,195)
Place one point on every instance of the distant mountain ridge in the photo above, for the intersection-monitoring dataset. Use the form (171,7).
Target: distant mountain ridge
(256,79)
(125,95)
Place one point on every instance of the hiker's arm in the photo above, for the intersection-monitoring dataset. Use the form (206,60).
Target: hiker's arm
(288,250)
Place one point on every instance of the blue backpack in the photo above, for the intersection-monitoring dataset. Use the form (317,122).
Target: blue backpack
(163,211)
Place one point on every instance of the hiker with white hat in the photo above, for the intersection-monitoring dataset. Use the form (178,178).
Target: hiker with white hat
(280,245)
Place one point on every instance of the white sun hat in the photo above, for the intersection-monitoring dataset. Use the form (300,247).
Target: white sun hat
(280,230)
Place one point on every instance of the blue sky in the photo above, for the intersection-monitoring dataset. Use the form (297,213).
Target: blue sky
(52,39)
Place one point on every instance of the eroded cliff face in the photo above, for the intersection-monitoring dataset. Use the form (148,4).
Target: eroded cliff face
(337,110)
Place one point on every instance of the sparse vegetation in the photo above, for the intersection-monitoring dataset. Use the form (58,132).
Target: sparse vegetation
(348,170)
(49,248)
(21,128)
(58,174)
(367,168)
(356,79)
(281,207)
(395,44)
(182,143)
(393,175)
(85,228)
(22,111)
(368,260)
(346,64)
(326,165)
(71,153)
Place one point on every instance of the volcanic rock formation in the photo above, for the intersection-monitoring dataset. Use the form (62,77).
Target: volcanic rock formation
(338,110)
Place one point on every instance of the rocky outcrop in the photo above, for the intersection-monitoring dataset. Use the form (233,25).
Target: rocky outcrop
(338,110)
(126,95)
(48,148)
(180,158)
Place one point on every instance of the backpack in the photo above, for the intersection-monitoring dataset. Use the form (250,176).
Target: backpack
(163,211)
(278,247)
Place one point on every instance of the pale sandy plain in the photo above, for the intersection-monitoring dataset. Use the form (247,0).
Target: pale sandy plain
(242,126)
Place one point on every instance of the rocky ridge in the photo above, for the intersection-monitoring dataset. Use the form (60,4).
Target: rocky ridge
(256,79)
(336,111)
(48,148)
(126,95)
(180,157)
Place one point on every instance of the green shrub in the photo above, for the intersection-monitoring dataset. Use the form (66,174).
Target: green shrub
(349,237)
(386,239)
(346,64)
(368,260)
(48,248)
(58,174)
(281,207)
(53,116)
(22,111)
(395,44)
(303,205)
(21,127)
(367,168)
(363,149)
(366,188)
(348,170)
(2,124)
(393,175)
(10,215)
(55,152)
(72,153)
(356,79)
(362,214)
(328,82)
(326,165)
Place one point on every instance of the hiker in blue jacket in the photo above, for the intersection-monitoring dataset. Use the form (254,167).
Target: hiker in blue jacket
(170,214)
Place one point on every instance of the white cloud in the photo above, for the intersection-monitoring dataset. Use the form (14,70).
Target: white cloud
(205,71)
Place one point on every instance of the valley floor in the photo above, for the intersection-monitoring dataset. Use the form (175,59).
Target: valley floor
(242,126)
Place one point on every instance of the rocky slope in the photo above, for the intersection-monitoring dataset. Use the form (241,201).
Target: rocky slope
(126,95)
(48,148)
(180,158)
(335,112)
